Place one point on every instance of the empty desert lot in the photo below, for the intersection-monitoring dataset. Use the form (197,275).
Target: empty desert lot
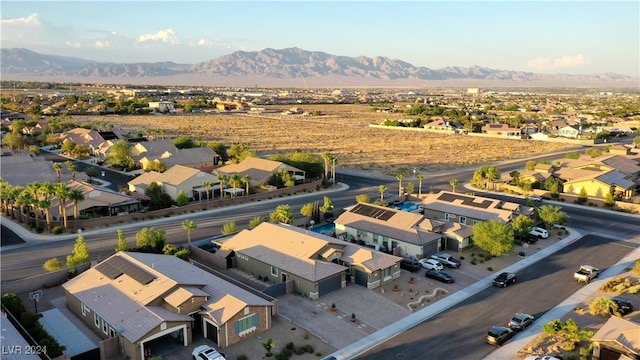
(342,130)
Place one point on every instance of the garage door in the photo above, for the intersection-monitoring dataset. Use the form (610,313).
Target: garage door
(362,278)
(328,285)
(212,332)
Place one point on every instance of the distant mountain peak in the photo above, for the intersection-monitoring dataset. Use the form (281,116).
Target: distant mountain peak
(281,66)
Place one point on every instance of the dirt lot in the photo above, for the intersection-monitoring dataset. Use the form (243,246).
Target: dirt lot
(342,130)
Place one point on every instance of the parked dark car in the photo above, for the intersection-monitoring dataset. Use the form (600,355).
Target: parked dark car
(498,335)
(530,239)
(520,321)
(410,265)
(440,275)
(504,279)
(624,305)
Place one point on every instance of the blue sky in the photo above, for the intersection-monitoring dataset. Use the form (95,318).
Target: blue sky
(574,37)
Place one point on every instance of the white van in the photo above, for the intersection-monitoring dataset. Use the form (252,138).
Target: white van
(539,232)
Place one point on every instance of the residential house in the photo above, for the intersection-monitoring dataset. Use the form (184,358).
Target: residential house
(618,338)
(617,174)
(501,129)
(20,168)
(441,123)
(147,152)
(98,142)
(177,178)
(98,201)
(470,209)
(150,298)
(389,230)
(313,263)
(162,106)
(259,170)
(569,131)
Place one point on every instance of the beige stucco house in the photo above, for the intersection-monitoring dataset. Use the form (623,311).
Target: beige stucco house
(314,264)
(177,178)
(146,298)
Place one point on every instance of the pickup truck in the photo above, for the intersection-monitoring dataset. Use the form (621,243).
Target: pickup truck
(447,260)
(586,273)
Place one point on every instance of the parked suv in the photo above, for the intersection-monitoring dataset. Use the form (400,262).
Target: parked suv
(431,264)
(539,232)
(410,265)
(497,335)
(624,305)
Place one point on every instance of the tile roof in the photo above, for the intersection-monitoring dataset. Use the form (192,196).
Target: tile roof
(258,169)
(621,331)
(297,250)
(125,302)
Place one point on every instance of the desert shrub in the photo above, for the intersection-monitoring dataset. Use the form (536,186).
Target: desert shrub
(57,230)
(490,268)
(307,336)
(308,348)
(289,345)
(299,350)
(473,261)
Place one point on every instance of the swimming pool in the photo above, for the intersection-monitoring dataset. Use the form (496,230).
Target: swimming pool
(409,206)
(325,229)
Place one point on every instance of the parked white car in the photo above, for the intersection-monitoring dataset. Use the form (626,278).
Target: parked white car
(431,264)
(539,232)
(206,352)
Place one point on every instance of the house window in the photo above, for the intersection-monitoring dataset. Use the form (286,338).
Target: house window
(446,216)
(105,327)
(375,238)
(362,233)
(386,273)
(96,319)
(385,242)
(475,222)
(463,220)
(247,324)
(112,332)
(85,309)
(274,271)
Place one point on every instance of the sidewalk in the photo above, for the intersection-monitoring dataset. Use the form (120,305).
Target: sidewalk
(30,237)
(436,308)
(508,350)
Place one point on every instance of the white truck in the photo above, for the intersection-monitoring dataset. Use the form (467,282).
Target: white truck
(586,273)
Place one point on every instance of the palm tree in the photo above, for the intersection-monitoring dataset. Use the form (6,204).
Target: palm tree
(234,181)
(492,174)
(246,179)
(189,225)
(72,167)
(34,190)
(46,189)
(326,156)
(58,167)
(76,195)
(207,185)
(62,193)
(454,183)
(23,202)
(5,191)
(400,177)
(382,189)
(222,179)
(420,177)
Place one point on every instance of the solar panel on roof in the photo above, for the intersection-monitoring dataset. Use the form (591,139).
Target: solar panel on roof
(108,270)
(373,212)
(116,266)
(466,200)
(108,135)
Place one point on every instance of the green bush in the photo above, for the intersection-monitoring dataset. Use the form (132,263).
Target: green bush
(308,348)
(289,345)
(57,230)
(490,268)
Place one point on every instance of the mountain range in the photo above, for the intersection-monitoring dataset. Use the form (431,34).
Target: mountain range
(291,67)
